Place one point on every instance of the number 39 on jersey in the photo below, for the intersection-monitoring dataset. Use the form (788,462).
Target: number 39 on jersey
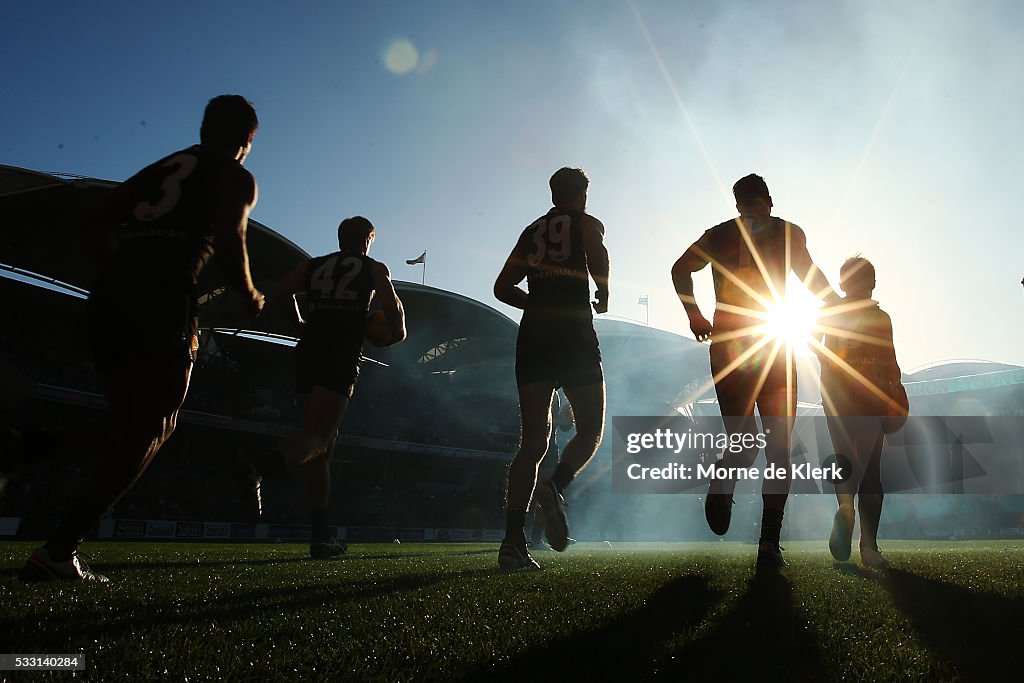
(552,240)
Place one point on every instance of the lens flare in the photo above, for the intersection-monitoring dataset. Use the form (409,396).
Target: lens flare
(792,320)
(401,57)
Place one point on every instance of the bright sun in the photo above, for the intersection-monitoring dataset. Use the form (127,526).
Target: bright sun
(792,320)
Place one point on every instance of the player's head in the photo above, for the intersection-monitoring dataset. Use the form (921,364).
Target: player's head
(752,196)
(356,234)
(569,188)
(229,121)
(857,276)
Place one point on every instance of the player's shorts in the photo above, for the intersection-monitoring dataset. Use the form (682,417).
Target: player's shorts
(565,353)
(126,324)
(760,377)
(860,441)
(331,367)
(848,397)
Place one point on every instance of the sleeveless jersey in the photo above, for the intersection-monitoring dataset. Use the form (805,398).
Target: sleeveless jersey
(734,249)
(863,341)
(169,237)
(338,292)
(551,248)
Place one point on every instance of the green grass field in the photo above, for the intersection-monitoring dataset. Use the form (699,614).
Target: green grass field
(946,611)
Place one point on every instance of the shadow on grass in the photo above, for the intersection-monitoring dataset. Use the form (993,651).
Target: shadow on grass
(626,647)
(43,630)
(978,633)
(760,638)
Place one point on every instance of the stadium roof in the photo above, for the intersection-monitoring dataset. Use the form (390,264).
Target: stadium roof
(956,368)
(39,215)
(38,233)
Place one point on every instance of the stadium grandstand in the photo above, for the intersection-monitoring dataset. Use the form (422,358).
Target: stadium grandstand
(426,444)
(424,449)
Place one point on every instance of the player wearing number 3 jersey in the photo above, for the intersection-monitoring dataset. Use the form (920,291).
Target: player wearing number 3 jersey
(557,255)
(336,293)
(171,216)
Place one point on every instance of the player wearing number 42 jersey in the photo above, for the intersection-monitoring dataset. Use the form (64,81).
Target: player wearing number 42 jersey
(336,292)
(170,216)
(557,254)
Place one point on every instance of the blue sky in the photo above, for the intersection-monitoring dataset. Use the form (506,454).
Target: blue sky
(889,129)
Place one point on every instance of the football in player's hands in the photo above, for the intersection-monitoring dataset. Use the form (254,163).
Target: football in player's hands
(378,332)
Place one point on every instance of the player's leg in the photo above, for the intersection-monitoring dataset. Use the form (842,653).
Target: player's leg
(317,475)
(588,406)
(735,392)
(144,397)
(325,410)
(869,503)
(535,413)
(840,539)
(776,403)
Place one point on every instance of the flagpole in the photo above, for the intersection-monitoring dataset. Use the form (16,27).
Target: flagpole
(421,259)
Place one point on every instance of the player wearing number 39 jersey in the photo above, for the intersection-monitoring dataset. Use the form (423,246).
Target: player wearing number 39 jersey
(336,292)
(170,217)
(557,255)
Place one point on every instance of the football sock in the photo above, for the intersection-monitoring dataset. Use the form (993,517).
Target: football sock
(71,532)
(515,526)
(771,525)
(870,506)
(562,476)
(319,520)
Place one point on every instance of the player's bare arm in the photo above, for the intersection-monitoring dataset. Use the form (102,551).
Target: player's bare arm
(506,286)
(692,260)
(597,260)
(284,295)
(237,196)
(805,268)
(394,312)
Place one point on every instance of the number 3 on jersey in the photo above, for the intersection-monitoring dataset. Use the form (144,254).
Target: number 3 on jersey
(179,167)
(552,239)
(323,278)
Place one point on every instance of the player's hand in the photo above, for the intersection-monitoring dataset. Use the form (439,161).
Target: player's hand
(600,302)
(255,303)
(700,327)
